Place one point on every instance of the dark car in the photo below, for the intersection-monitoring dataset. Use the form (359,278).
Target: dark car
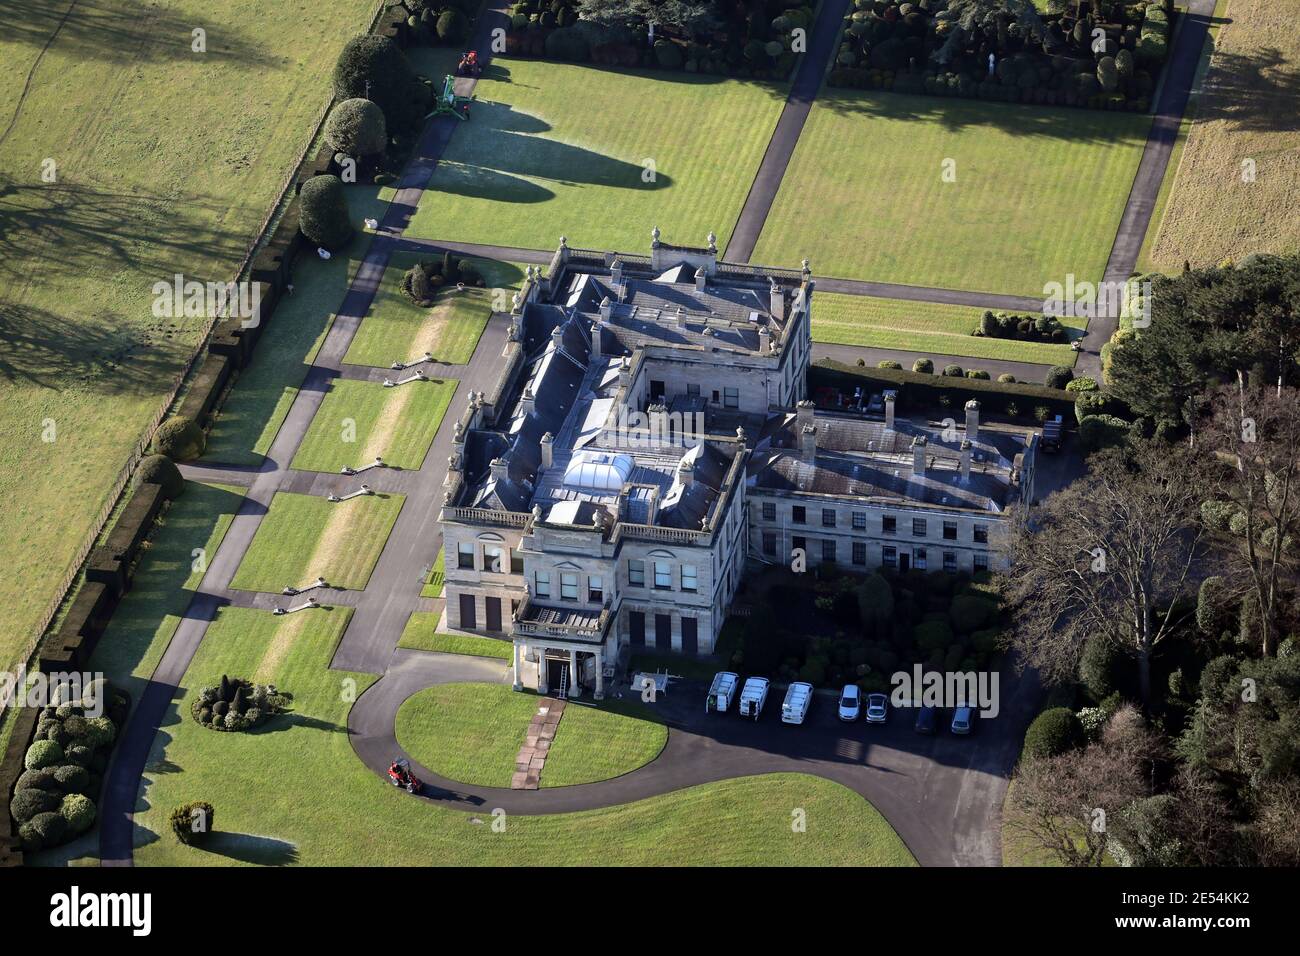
(927,719)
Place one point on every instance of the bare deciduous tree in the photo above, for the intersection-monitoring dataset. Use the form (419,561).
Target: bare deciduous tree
(1257,432)
(1107,557)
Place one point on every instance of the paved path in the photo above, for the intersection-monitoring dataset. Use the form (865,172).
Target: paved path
(1180,72)
(411,546)
(942,794)
(785,137)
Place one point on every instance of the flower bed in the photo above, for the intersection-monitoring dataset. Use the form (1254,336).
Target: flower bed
(1108,59)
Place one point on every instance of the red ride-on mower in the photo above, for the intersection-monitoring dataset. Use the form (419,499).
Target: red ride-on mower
(468,65)
(399,774)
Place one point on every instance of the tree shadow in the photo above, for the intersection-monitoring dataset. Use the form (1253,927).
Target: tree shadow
(121,32)
(248,848)
(1253,92)
(774,89)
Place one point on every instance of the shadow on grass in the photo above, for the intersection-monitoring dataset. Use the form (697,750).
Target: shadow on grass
(121,32)
(499,71)
(248,848)
(1253,92)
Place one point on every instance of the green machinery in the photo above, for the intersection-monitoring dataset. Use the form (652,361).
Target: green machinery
(449,103)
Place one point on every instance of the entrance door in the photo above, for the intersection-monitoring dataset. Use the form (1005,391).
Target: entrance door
(468,620)
(663,632)
(690,636)
(636,627)
(904,560)
(493,607)
(555,669)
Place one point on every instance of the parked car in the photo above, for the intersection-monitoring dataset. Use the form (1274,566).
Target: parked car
(963,721)
(927,720)
(798,697)
(752,697)
(877,708)
(850,702)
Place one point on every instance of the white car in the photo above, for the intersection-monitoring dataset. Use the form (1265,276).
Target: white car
(850,702)
(877,708)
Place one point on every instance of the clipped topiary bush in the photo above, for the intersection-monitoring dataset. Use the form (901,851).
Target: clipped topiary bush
(71,778)
(161,470)
(923,366)
(43,830)
(889,363)
(356,127)
(236,704)
(28,803)
(42,779)
(1052,732)
(1058,376)
(78,811)
(323,212)
(452,26)
(179,438)
(43,753)
(373,67)
(192,822)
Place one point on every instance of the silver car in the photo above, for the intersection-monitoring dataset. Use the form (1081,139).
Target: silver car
(877,708)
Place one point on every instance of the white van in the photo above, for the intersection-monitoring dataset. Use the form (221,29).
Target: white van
(721,692)
(797,699)
(752,697)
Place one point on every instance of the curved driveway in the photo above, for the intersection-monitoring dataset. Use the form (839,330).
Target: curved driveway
(942,794)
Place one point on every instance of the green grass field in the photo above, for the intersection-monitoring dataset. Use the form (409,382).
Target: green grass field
(437,574)
(554,149)
(165,581)
(1038,192)
(359,421)
(472,733)
(260,817)
(922,327)
(164,161)
(398,330)
(421,633)
(304,537)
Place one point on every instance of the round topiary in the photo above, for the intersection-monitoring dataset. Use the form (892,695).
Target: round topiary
(42,779)
(75,726)
(80,754)
(356,127)
(43,753)
(1058,376)
(374,68)
(27,803)
(160,470)
(452,24)
(924,366)
(78,811)
(1053,732)
(179,438)
(323,216)
(890,363)
(954,371)
(1084,383)
(100,732)
(1006,378)
(71,778)
(192,822)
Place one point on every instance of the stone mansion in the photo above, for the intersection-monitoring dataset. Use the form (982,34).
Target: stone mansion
(650,435)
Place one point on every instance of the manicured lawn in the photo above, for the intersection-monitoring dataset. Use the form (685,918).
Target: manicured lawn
(472,733)
(1245,110)
(554,149)
(433,586)
(921,327)
(140,194)
(359,421)
(602,741)
(467,732)
(165,581)
(421,633)
(1018,848)
(260,810)
(304,537)
(398,330)
(1038,192)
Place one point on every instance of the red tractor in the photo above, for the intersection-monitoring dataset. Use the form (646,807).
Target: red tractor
(468,65)
(399,774)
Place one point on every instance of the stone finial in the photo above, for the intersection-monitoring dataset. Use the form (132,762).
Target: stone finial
(537,512)
(564,242)
(807,266)
(654,235)
(713,241)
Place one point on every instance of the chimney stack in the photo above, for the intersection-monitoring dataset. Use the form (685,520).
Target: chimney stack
(679,317)
(606,309)
(500,469)
(547,445)
(803,413)
(965,459)
(918,456)
(764,340)
(973,420)
(686,471)
(557,335)
(890,397)
(776,299)
(700,279)
(526,400)
(616,277)
(660,430)
(595,339)
(808,443)
(625,373)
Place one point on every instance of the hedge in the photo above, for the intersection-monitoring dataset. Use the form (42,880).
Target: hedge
(915,389)
(1052,732)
